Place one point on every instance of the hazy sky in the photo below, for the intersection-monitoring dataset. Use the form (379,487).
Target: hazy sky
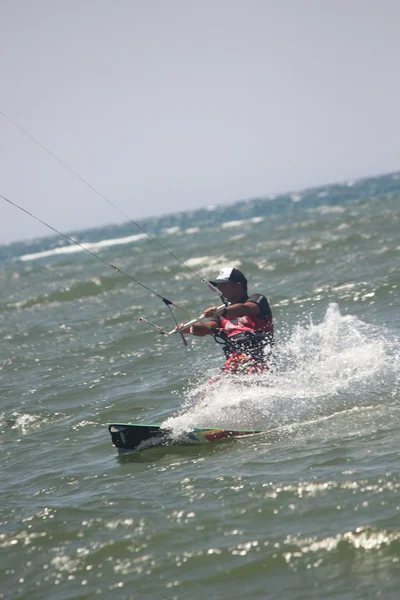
(167,105)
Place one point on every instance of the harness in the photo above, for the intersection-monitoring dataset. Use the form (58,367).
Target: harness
(250,343)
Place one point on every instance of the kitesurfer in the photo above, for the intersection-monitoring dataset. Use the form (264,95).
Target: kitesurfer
(245,327)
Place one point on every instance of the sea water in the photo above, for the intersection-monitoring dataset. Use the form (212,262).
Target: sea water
(309,509)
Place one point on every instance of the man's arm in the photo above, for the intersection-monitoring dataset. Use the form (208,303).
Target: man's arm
(236,310)
(201,329)
(233,311)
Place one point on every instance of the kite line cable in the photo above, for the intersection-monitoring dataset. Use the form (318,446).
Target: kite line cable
(167,302)
(202,279)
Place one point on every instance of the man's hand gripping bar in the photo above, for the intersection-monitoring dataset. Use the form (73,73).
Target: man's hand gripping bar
(217,311)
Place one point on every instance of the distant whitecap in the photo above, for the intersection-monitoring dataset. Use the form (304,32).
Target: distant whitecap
(89,246)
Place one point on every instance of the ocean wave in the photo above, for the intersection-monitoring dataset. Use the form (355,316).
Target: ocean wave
(89,246)
(171,230)
(343,543)
(26,423)
(77,291)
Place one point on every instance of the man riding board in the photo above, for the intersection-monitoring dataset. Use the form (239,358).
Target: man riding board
(245,327)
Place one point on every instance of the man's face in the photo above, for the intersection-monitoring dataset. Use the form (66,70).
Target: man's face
(231,290)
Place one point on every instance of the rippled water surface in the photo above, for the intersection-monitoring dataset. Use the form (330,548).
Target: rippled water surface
(308,509)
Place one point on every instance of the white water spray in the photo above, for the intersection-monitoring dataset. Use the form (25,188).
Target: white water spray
(338,364)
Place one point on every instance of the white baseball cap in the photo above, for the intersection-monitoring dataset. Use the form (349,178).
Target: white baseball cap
(230,274)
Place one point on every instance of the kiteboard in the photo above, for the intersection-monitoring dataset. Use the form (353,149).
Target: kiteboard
(128,437)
